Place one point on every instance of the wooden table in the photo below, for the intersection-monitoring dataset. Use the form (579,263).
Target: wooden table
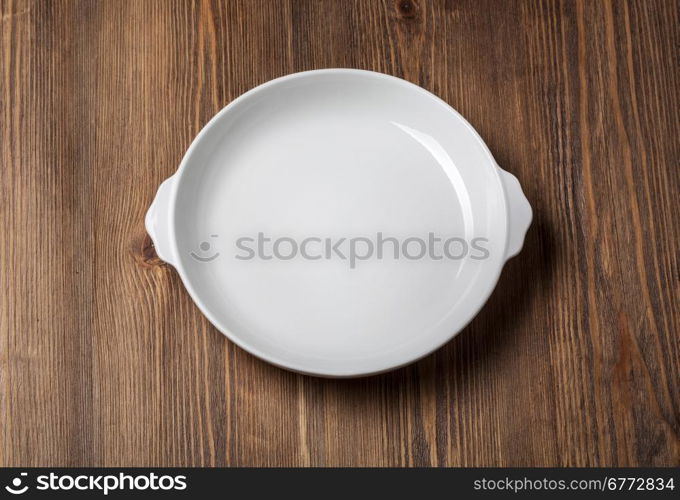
(575,360)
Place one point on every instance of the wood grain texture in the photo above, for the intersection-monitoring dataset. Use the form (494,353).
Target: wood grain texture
(105,360)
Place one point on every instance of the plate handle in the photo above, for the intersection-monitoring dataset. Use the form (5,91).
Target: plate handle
(519,213)
(158,224)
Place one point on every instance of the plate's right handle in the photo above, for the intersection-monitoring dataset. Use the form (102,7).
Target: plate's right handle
(519,216)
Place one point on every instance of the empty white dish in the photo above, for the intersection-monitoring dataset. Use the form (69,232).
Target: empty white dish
(332,163)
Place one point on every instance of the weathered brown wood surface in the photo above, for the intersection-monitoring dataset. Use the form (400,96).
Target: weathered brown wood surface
(106,361)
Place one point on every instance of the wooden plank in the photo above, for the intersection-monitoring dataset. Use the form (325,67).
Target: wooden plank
(105,360)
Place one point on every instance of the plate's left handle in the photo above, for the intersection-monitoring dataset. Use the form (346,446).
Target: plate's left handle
(157,222)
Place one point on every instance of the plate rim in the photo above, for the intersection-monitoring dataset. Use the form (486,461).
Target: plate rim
(294,366)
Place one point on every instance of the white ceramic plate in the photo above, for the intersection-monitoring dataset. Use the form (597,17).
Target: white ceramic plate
(278,211)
